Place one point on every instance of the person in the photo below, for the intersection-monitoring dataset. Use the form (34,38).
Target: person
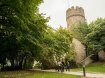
(62,66)
(58,67)
(67,66)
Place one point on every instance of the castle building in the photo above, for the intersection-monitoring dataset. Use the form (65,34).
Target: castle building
(74,16)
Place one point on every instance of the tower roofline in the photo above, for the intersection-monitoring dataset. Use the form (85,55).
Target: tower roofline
(75,11)
(75,8)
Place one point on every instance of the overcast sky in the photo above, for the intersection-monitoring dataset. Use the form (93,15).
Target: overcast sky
(56,9)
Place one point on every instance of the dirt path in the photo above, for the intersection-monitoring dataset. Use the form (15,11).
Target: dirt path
(88,74)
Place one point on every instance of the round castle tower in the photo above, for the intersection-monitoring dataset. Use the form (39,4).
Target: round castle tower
(74,15)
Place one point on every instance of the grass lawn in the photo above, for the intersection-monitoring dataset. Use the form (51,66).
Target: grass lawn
(34,74)
(95,67)
(52,75)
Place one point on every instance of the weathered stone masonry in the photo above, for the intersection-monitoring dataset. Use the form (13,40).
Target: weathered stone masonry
(75,15)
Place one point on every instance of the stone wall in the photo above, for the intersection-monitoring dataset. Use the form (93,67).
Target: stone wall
(75,15)
(101,55)
(80,50)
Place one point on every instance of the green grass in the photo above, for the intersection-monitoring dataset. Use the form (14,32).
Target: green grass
(95,67)
(34,74)
(14,74)
(52,75)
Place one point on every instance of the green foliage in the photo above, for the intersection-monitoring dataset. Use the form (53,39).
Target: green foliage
(95,39)
(21,27)
(92,35)
(80,31)
(56,43)
(25,36)
(63,40)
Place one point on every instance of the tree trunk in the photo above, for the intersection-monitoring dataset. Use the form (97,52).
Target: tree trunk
(12,63)
(24,64)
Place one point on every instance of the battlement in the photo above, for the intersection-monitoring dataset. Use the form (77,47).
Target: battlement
(75,11)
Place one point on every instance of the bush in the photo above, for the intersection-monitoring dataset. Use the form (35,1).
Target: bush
(46,64)
(95,58)
(9,68)
(37,65)
(72,64)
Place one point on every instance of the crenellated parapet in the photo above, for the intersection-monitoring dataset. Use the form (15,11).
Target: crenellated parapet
(74,15)
(75,11)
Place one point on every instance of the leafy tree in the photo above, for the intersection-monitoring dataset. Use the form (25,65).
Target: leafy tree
(92,36)
(56,43)
(46,56)
(21,28)
(63,42)
(80,31)
(95,39)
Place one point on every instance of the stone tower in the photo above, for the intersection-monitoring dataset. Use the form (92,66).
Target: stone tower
(74,16)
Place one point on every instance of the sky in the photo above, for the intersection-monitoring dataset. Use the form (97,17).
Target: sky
(56,10)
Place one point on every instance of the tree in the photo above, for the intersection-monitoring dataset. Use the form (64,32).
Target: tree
(63,42)
(92,36)
(21,28)
(95,39)
(80,31)
(56,44)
